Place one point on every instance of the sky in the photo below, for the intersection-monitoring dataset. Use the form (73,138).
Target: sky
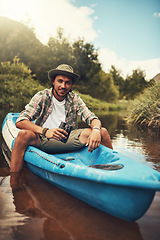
(126,33)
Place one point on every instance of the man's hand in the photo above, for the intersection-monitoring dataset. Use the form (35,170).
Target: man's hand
(56,133)
(94,140)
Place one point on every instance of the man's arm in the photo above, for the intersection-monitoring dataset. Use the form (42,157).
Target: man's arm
(56,133)
(96,123)
(28,125)
(94,139)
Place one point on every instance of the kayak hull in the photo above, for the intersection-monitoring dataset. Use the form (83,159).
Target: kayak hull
(108,198)
(125,193)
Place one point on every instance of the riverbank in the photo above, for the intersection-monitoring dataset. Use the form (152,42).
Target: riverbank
(92,103)
(98,105)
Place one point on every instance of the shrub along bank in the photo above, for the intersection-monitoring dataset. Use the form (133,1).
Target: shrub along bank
(145,110)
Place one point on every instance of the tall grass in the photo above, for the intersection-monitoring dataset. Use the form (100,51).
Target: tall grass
(145,110)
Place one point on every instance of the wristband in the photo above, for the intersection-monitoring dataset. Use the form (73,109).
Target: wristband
(44,131)
(96,128)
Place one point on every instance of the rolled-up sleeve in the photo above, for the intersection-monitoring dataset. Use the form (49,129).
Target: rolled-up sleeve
(83,112)
(32,109)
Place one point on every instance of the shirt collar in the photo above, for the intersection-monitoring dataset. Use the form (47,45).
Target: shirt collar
(70,96)
(50,93)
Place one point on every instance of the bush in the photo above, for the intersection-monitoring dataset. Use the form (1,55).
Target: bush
(17,85)
(145,110)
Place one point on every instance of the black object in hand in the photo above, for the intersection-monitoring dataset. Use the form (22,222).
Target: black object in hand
(67,128)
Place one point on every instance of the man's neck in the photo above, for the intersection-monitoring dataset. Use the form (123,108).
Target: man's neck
(58,97)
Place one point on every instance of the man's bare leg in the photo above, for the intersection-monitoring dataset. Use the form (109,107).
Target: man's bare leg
(106,141)
(23,140)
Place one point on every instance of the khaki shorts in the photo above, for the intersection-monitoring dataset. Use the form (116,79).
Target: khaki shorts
(55,146)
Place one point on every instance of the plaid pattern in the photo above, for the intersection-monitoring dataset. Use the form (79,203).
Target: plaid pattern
(41,104)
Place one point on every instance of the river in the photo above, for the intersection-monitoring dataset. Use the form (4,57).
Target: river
(40,211)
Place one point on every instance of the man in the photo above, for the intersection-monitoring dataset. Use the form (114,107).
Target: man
(49,108)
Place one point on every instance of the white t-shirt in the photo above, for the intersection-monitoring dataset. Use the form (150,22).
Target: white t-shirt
(57,115)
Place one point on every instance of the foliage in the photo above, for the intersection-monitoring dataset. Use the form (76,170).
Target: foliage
(85,60)
(60,49)
(145,109)
(135,84)
(103,87)
(99,105)
(118,80)
(17,85)
(16,68)
(132,86)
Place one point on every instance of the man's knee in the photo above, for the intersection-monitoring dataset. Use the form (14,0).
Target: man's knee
(84,135)
(25,136)
(87,131)
(104,131)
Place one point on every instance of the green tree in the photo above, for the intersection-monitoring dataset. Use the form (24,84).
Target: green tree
(135,84)
(118,80)
(102,87)
(61,49)
(85,60)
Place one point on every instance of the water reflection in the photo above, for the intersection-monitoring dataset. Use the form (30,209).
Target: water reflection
(135,142)
(66,217)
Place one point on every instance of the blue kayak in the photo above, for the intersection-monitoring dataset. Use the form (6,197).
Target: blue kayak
(104,178)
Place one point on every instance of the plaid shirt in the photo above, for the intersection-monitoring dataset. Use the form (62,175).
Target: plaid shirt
(41,104)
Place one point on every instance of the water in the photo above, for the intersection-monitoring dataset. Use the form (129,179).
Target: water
(40,211)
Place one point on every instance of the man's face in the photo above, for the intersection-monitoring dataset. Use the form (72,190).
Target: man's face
(62,85)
